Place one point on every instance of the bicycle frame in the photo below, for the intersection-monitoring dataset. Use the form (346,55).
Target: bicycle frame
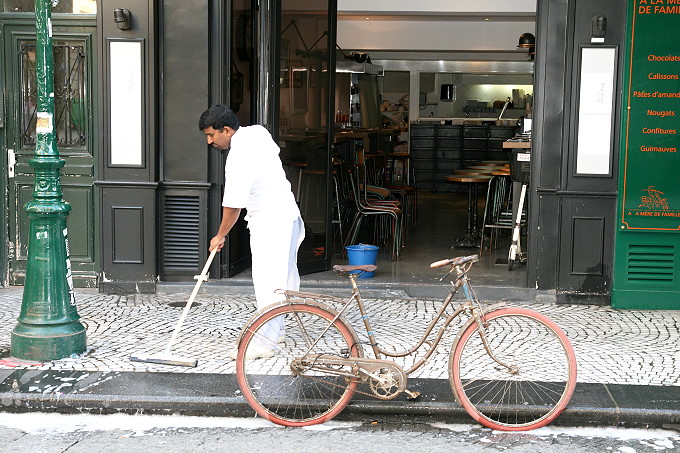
(470,305)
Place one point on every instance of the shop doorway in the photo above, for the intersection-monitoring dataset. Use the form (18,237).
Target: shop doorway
(449,116)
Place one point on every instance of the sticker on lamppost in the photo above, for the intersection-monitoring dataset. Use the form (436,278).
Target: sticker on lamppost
(69,274)
(43,123)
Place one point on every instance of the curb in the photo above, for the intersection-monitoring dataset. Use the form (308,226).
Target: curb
(211,394)
(356,410)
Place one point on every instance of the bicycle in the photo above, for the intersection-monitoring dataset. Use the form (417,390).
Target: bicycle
(510,368)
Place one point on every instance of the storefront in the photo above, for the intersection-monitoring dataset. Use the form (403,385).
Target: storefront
(146,189)
(648,217)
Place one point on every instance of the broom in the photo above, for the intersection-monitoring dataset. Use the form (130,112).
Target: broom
(165,358)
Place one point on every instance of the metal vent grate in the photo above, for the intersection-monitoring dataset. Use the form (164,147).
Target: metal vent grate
(651,264)
(181,227)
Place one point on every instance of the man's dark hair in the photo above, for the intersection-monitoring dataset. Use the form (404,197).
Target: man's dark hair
(218,116)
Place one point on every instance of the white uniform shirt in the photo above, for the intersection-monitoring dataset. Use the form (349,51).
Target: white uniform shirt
(254,177)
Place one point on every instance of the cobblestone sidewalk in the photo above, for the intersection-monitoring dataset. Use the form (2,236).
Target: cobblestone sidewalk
(633,347)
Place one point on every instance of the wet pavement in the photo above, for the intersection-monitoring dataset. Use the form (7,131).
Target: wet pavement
(629,361)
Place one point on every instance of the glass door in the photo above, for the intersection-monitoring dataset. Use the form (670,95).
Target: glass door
(242,89)
(305,70)
(279,77)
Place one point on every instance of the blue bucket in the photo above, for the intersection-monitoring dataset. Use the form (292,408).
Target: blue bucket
(362,254)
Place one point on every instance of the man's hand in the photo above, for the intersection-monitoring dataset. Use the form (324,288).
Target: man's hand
(217,241)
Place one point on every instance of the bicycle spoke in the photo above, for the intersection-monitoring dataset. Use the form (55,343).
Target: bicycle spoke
(543,377)
(288,387)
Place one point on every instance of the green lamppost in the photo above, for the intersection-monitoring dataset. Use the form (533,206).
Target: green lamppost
(49,326)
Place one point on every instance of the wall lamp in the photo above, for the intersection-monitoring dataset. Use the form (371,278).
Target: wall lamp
(121,17)
(599,28)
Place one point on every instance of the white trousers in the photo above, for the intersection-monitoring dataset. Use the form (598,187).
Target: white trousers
(274,246)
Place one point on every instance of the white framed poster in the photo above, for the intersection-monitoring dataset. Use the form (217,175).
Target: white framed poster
(596,107)
(125,93)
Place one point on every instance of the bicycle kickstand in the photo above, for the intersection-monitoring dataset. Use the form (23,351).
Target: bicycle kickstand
(410,394)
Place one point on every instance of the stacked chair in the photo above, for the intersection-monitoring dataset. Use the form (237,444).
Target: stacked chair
(360,200)
(497,211)
(407,195)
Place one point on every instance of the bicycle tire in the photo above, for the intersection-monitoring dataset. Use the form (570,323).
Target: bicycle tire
(545,378)
(305,397)
(511,262)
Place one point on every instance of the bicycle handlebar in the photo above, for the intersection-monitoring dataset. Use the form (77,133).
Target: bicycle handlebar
(455,261)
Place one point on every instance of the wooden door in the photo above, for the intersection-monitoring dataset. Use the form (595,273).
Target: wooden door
(74,91)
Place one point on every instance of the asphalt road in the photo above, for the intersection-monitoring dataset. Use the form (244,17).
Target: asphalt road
(51,433)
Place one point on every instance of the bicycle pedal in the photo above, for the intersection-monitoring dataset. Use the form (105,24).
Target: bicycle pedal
(411,395)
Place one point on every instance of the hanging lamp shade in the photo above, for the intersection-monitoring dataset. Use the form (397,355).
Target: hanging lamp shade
(526,41)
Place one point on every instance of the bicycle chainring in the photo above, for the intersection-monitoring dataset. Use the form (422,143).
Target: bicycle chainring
(386,383)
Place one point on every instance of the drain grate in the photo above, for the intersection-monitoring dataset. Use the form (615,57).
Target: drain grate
(183,304)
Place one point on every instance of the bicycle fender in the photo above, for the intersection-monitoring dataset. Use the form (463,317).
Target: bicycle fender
(325,307)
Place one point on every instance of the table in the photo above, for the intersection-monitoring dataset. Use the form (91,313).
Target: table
(517,144)
(472,172)
(472,236)
(487,168)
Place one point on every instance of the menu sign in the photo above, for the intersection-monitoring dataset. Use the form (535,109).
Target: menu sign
(651,119)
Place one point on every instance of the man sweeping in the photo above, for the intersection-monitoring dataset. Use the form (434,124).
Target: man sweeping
(255,180)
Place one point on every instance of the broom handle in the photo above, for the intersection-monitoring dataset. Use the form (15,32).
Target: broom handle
(201,278)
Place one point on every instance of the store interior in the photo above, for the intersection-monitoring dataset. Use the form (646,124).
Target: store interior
(448,108)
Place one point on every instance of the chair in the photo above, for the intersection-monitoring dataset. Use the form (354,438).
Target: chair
(373,188)
(337,206)
(497,210)
(406,194)
(354,176)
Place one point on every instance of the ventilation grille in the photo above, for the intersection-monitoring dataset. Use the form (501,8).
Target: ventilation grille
(181,238)
(651,264)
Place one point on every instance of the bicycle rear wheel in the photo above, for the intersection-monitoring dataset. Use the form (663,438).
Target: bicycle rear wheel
(539,383)
(287,392)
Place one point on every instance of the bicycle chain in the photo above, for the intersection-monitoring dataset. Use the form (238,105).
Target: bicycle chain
(342,386)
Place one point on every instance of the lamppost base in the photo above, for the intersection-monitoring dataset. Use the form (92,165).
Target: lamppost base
(47,342)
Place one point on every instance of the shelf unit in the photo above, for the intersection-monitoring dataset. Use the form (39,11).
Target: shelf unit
(421,149)
(438,149)
(448,155)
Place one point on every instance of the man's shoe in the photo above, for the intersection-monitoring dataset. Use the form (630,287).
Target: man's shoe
(254,352)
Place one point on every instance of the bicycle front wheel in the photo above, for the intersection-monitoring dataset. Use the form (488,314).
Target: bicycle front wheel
(530,382)
(275,375)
